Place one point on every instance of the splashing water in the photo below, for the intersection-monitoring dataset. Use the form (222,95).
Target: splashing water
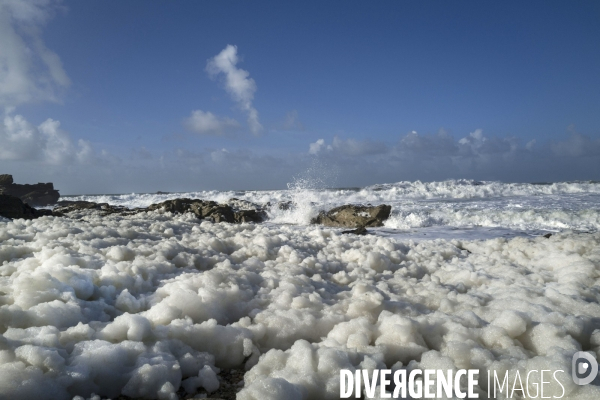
(305,194)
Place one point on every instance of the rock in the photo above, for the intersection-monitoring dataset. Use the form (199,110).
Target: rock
(361,230)
(40,194)
(203,209)
(67,206)
(12,207)
(249,216)
(547,235)
(285,205)
(246,211)
(212,210)
(353,216)
(6,179)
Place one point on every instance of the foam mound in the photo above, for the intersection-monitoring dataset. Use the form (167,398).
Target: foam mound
(149,305)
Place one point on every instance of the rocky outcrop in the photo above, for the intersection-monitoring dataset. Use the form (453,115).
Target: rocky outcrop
(70,207)
(353,216)
(6,179)
(14,208)
(203,209)
(40,194)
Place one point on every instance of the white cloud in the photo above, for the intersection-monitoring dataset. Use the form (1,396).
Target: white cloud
(29,71)
(318,146)
(46,143)
(237,83)
(207,123)
(478,144)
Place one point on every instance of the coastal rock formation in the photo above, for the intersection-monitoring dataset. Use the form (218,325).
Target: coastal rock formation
(203,209)
(353,216)
(67,206)
(6,179)
(40,194)
(12,207)
(210,209)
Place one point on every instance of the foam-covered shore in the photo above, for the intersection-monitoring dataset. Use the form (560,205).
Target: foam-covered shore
(145,304)
(454,203)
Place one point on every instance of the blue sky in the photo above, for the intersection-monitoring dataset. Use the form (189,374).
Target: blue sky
(492,90)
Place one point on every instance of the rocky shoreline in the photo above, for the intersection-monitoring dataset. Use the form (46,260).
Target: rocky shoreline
(39,194)
(234,211)
(17,201)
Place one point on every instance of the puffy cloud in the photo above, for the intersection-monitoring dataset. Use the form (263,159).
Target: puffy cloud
(477,143)
(318,146)
(29,71)
(46,143)
(206,123)
(237,83)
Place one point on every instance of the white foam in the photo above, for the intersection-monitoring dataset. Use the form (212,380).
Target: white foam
(143,305)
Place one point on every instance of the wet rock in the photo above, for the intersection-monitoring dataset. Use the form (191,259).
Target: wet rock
(40,194)
(70,207)
(285,205)
(547,235)
(361,230)
(249,216)
(205,209)
(14,208)
(246,211)
(354,216)
(201,208)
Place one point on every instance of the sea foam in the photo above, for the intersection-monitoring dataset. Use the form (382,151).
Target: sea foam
(144,305)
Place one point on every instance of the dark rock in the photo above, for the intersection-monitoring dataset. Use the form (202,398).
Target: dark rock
(249,216)
(67,206)
(205,209)
(246,211)
(361,230)
(12,207)
(201,208)
(285,205)
(40,194)
(353,216)
(547,235)
(6,179)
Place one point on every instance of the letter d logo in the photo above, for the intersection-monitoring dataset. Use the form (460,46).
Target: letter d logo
(584,365)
